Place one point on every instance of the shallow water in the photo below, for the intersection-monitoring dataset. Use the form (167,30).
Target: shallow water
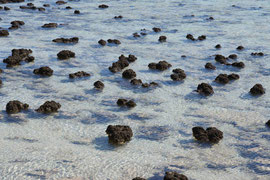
(73,142)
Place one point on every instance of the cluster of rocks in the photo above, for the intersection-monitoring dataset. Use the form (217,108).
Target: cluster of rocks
(161,65)
(4,8)
(257,89)
(168,176)
(99,85)
(66,40)
(111,41)
(200,38)
(50,25)
(155,29)
(49,107)
(10,1)
(257,54)
(43,71)
(119,134)
(16,24)
(144,85)
(19,55)
(15,107)
(211,134)
(224,78)
(122,62)
(126,103)
(223,60)
(205,89)
(178,74)
(118,17)
(65,54)
(4,33)
(32,7)
(79,74)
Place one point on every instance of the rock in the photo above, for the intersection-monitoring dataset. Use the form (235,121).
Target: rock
(122,63)
(49,107)
(77,12)
(60,2)
(130,104)
(10,1)
(211,134)
(218,46)
(222,79)
(3,33)
(138,178)
(99,85)
(136,82)
(190,37)
(121,102)
(174,176)
(136,35)
(233,56)
(268,123)
(41,9)
(143,33)
(1,71)
(221,59)
(65,54)
(68,7)
(210,66)
(161,65)
(102,42)
(178,75)
(155,29)
(210,18)
(152,66)
(131,58)
(16,24)
(1,82)
(6,8)
(257,89)
(50,25)
(147,85)
(257,54)
(162,39)
(19,55)
(114,41)
(240,48)
(129,74)
(46,5)
(28,7)
(15,107)
(66,40)
(202,37)
(119,134)
(233,76)
(79,74)
(205,89)
(118,17)
(44,71)
(103,6)
(238,64)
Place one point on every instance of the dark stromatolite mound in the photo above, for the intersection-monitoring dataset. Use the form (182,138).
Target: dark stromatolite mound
(129,74)
(155,29)
(102,42)
(205,89)
(66,40)
(77,12)
(161,65)
(162,39)
(43,71)
(233,76)
(114,41)
(15,107)
(19,55)
(16,24)
(268,123)
(10,1)
(118,17)
(46,5)
(121,102)
(257,54)
(210,66)
(49,107)
(239,48)
(138,178)
(124,102)
(232,56)
(202,37)
(221,59)
(119,134)
(103,6)
(151,84)
(60,2)
(4,33)
(50,25)
(136,82)
(190,37)
(257,89)
(178,75)
(99,85)
(174,176)
(211,134)
(79,74)
(218,46)
(222,79)
(65,54)
(238,64)
(122,62)
(6,8)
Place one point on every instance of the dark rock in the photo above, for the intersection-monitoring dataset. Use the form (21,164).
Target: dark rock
(178,75)
(44,71)
(6,8)
(66,40)
(211,134)
(79,74)
(68,7)
(28,7)
(143,33)
(129,74)
(155,29)
(210,18)
(99,85)
(15,107)
(50,25)
(41,9)
(210,66)
(205,89)
(136,35)
(77,12)
(240,48)
(233,76)
(190,37)
(238,64)
(121,102)
(3,33)
(138,178)
(151,84)
(60,2)
(1,71)
(102,42)
(118,17)
(268,123)
(19,55)
(221,59)
(162,39)
(257,54)
(136,82)
(30,4)
(10,1)
(114,41)
(46,5)
(49,107)
(233,56)
(122,63)
(183,56)
(130,104)
(202,37)
(174,176)
(119,134)
(65,54)
(103,6)
(218,46)
(152,66)
(1,82)
(222,79)
(257,89)
(163,65)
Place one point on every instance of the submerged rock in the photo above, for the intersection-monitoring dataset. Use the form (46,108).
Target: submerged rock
(49,107)
(211,134)
(119,134)
(15,107)
(174,176)
(79,74)
(210,66)
(44,71)
(205,89)
(66,40)
(257,89)
(3,33)
(65,54)
(99,85)
(129,74)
